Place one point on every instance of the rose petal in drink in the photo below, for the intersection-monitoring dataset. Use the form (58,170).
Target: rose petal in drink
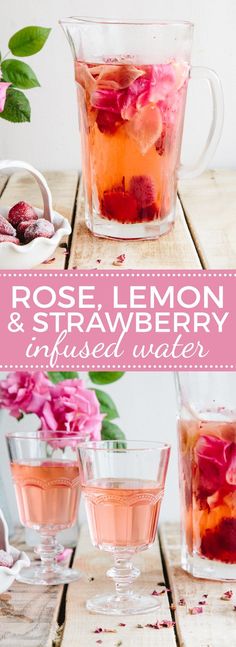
(145,127)
(231,471)
(105,100)
(212,459)
(220,543)
(84,77)
(118,77)
(108,121)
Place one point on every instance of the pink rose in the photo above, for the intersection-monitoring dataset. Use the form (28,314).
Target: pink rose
(72,409)
(3,92)
(25,392)
(213,458)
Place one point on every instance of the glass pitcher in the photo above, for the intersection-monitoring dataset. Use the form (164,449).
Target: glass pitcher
(207,464)
(132,79)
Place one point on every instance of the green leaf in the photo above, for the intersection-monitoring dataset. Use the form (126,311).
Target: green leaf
(110,431)
(103,377)
(28,41)
(107,405)
(19,74)
(56,377)
(17,107)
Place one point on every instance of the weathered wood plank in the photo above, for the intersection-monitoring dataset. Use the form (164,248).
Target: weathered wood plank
(28,614)
(209,203)
(215,627)
(175,250)
(80,624)
(63,187)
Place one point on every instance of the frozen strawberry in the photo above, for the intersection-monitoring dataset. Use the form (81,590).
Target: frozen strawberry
(120,205)
(142,188)
(9,239)
(22,227)
(21,211)
(6,559)
(40,229)
(6,228)
(149,213)
(108,121)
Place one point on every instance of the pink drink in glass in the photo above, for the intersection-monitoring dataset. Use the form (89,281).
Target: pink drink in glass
(131,118)
(122,512)
(208,488)
(47,493)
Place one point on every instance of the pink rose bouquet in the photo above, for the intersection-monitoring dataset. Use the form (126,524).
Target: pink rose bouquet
(63,403)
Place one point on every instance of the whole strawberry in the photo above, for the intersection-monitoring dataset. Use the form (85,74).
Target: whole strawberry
(6,228)
(21,211)
(40,229)
(22,227)
(9,239)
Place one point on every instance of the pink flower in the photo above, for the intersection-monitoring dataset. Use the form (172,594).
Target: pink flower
(23,391)
(72,409)
(3,92)
(213,457)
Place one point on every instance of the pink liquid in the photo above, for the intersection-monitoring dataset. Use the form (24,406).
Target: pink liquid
(131,120)
(47,493)
(123,512)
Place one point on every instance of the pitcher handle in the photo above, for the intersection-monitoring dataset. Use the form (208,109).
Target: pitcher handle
(192,170)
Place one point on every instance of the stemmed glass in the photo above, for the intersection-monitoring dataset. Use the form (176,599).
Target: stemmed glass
(46,478)
(123,484)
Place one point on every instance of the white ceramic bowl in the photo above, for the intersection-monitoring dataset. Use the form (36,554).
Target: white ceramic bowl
(24,257)
(20,559)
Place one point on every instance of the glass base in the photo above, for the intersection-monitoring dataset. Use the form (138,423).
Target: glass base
(40,576)
(104,228)
(121,606)
(209,569)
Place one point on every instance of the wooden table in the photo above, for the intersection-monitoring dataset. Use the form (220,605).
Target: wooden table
(204,234)
(53,617)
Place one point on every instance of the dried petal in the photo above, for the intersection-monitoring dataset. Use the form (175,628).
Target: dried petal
(182,602)
(227,595)
(158,592)
(195,610)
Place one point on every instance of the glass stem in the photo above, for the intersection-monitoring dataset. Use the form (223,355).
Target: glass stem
(123,573)
(48,550)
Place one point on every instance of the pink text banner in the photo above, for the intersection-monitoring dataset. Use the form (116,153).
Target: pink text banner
(101,320)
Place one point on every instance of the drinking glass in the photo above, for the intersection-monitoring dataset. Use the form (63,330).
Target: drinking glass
(46,479)
(207,463)
(132,79)
(123,485)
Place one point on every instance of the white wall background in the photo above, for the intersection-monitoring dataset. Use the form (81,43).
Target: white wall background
(147,406)
(51,140)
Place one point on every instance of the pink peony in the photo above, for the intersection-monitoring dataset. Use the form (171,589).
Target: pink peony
(23,391)
(3,91)
(213,458)
(72,409)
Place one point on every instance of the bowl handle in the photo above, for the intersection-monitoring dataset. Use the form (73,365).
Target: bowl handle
(13,166)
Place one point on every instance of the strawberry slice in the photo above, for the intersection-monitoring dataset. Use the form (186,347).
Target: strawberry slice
(142,188)
(120,205)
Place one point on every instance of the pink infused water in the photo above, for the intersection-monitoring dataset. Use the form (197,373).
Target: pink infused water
(47,493)
(131,118)
(122,512)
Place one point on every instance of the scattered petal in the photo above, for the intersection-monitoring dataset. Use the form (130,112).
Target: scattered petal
(121,624)
(182,602)
(158,592)
(194,611)
(49,260)
(227,595)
